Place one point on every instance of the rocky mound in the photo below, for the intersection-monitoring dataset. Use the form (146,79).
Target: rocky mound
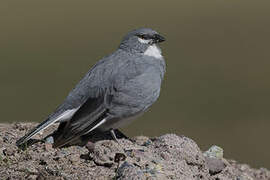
(165,157)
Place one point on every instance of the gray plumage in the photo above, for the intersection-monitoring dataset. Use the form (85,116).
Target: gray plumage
(116,89)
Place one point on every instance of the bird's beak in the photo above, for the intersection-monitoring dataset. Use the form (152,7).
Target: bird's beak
(158,38)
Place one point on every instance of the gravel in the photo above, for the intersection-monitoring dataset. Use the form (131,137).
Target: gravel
(166,157)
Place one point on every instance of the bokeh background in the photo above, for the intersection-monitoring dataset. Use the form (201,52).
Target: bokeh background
(217,86)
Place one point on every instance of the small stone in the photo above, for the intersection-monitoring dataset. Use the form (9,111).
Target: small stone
(42,162)
(32,177)
(8,152)
(48,147)
(244,176)
(74,159)
(214,152)
(165,156)
(49,140)
(129,172)
(142,141)
(214,165)
(243,167)
(119,157)
(6,139)
(90,146)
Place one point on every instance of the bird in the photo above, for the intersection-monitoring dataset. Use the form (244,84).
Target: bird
(117,89)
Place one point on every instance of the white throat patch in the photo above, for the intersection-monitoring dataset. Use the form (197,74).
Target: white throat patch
(153,51)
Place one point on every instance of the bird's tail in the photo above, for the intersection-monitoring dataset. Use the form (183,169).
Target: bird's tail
(36,130)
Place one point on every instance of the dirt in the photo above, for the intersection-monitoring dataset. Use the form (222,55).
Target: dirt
(166,157)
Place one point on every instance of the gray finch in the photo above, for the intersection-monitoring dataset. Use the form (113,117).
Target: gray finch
(116,89)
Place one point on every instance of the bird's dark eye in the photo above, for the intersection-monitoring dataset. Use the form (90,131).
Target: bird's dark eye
(144,36)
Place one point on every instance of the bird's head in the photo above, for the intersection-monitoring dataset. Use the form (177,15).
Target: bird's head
(139,40)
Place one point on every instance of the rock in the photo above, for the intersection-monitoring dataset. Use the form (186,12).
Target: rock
(74,158)
(104,152)
(214,152)
(90,146)
(214,165)
(119,157)
(166,157)
(9,152)
(129,172)
(42,162)
(49,140)
(180,148)
(142,140)
(48,146)
(214,159)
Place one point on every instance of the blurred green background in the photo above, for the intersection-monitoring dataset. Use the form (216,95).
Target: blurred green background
(216,90)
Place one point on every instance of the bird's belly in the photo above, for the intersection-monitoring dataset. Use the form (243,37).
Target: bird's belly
(132,99)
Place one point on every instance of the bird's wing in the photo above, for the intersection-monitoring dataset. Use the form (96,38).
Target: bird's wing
(89,88)
(91,115)
(85,101)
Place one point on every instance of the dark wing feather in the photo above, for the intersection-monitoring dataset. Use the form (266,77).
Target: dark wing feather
(89,115)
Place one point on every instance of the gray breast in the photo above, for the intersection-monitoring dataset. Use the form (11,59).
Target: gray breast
(137,86)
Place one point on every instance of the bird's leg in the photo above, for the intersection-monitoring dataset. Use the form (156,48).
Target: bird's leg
(113,135)
(119,134)
(118,156)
